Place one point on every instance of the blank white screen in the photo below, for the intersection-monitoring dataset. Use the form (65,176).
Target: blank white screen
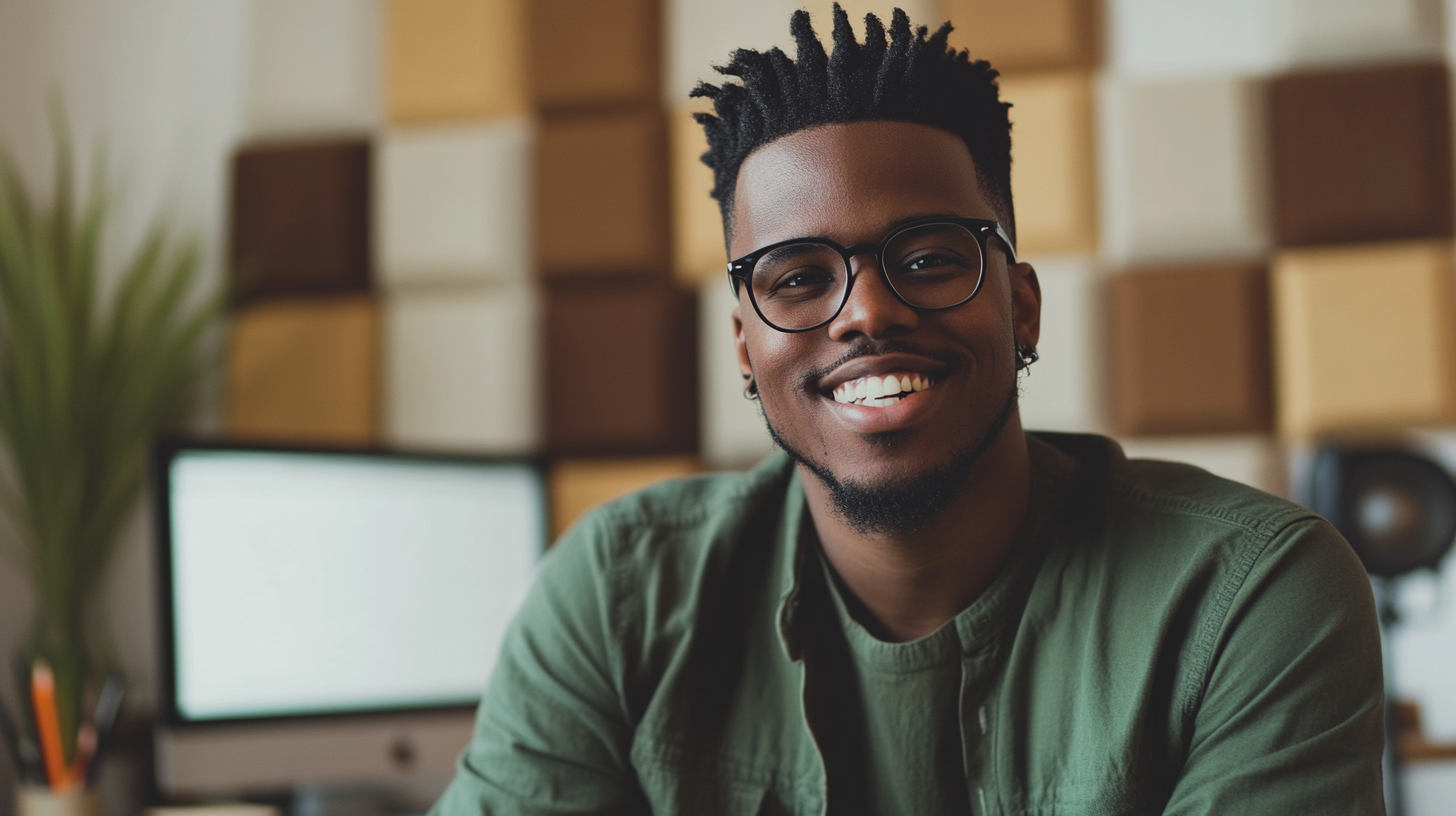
(316,582)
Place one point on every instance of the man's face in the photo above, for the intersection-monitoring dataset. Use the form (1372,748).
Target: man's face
(852,183)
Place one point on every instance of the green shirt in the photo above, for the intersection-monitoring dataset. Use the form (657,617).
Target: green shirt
(1162,641)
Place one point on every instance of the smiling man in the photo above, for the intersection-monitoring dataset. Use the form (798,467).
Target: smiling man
(918,607)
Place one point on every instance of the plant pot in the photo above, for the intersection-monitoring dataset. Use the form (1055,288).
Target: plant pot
(33,800)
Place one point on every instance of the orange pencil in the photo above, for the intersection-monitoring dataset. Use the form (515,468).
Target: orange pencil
(48,726)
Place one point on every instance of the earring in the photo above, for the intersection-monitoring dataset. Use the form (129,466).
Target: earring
(1025,356)
(750,391)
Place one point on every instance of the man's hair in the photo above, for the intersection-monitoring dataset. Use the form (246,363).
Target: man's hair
(905,77)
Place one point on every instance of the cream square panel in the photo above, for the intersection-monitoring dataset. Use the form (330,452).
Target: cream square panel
(461,369)
(1065,389)
(701,34)
(1184,171)
(732,428)
(1364,338)
(453,204)
(1052,169)
(1157,38)
(313,67)
(1252,459)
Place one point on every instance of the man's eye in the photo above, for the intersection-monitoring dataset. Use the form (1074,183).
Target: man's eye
(804,277)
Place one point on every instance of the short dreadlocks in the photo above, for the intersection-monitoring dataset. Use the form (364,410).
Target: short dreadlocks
(906,77)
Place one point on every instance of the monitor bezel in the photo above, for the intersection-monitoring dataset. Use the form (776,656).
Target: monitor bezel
(166,450)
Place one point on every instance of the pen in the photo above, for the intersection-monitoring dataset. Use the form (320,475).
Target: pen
(108,705)
(48,726)
(11,735)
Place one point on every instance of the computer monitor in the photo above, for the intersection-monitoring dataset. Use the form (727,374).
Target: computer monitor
(330,618)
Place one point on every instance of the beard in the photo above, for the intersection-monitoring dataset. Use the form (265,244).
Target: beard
(907,502)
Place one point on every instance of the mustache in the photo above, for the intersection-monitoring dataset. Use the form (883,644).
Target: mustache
(866,347)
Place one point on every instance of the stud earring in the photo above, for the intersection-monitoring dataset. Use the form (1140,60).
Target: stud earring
(750,391)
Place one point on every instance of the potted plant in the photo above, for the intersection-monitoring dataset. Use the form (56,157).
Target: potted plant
(93,364)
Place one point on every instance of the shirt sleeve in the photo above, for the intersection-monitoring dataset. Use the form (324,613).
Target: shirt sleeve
(1290,718)
(551,735)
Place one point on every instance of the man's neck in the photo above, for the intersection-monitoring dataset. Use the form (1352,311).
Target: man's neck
(912,583)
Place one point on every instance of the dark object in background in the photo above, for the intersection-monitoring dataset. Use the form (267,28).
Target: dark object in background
(593,53)
(1362,154)
(1396,508)
(601,196)
(1190,350)
(621,369)
(300,219)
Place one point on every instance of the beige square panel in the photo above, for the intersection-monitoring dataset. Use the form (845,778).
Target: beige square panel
(313,67)
(732,429)
(1027,34)
(304,370)
(1184,171)
(453,203)
(577,485)
(461,369)
(1066,390)
(1364,338)
(1253,459)
(454,59)
(1052,175)
(697,242)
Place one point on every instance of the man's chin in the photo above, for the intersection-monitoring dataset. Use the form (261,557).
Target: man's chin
(909,496)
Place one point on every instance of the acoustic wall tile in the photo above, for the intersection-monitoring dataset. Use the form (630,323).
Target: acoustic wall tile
(601,195)
(1065,390)
(577,485)
(304,371)
(1052,169)
(1190,350)
(1155,38)
(455,59)
(313,66)
(733,434)
(594,52)
(1362,154)
(453,203)
(300,218)
(621,372)
(461,369)
(1364,338)
(1254,460)
(1027,34)
(1184,169)
(697,242)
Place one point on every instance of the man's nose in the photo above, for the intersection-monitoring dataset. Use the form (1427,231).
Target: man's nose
(872,308)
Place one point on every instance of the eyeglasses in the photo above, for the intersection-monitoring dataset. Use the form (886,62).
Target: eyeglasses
(801,284)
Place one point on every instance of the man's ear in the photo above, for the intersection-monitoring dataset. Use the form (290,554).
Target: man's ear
(739,344)
(1025,304)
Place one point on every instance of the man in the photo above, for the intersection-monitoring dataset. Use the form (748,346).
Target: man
(917,607)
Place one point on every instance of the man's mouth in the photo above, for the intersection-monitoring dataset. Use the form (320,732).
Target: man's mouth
(881,391)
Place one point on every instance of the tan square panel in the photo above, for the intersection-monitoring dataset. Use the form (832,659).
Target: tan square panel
(1364,337)
(1022,34)
(697,242)
(454,59)
(577,485)
(601,195)
(594,52)
(305,371)
(1190,350)
(1052,169)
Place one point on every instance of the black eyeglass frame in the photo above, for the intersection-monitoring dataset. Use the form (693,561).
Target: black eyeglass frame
(741,269)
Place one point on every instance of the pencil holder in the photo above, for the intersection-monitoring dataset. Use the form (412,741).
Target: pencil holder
(32,800)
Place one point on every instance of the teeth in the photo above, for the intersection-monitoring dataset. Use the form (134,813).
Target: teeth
(860,389)
(874,388)
(880,392)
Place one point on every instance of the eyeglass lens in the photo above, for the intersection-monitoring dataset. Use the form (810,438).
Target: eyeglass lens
(931,266)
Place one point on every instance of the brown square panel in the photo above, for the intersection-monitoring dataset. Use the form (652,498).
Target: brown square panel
(577,485)
(300,219)
(621,369)
(1190,350)
(1362,154)
(601,195)
(1027,34)
(587,53)
(448,60)
(305,370)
